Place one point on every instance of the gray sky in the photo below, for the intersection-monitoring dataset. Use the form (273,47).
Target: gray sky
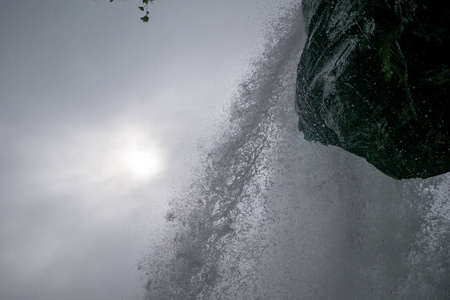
(88,96)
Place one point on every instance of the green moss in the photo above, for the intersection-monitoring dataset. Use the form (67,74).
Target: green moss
(439,77)
(385,51)
(393,64)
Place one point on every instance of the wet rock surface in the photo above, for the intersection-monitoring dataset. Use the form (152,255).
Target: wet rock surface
(374,79)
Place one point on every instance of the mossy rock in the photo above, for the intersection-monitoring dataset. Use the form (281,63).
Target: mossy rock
(374,79)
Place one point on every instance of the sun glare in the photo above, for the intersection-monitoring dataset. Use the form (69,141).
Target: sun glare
(143,163)
(136,154)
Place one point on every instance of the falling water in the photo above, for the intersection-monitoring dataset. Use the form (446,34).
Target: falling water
(271,216)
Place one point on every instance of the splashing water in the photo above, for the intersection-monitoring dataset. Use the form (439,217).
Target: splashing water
(271,216)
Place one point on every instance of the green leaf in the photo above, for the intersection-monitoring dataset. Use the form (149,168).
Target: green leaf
(145,1)
(141,8)
(145,19)
(111,1)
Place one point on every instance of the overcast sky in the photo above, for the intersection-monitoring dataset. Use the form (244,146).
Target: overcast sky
(101,119)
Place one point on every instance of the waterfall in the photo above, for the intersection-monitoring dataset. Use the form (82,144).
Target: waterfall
(272,216)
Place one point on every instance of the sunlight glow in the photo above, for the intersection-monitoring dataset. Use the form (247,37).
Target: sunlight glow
(143,163)
(137,154)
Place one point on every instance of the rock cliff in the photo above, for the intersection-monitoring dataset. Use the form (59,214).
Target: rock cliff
(374,79)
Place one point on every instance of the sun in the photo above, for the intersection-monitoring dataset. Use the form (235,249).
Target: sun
(143,163)
(136,154)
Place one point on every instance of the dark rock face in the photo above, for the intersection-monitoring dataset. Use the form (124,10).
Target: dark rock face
(374,79)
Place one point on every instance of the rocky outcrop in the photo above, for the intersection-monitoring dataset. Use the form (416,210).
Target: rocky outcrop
(374,79)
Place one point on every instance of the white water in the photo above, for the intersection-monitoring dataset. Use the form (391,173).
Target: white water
(271,216)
